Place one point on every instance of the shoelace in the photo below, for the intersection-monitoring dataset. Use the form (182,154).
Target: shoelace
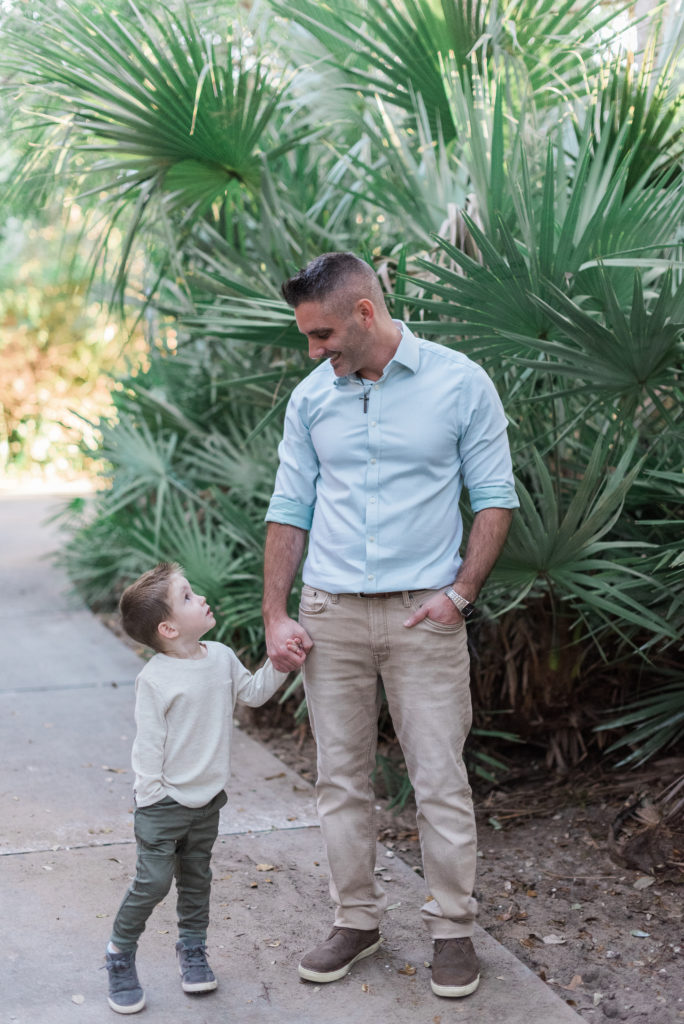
(196,954)
(116,964)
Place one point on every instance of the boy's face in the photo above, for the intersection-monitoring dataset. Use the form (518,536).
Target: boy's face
(190,613)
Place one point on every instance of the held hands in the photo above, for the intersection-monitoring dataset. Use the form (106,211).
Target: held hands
(439,608)
(287,645)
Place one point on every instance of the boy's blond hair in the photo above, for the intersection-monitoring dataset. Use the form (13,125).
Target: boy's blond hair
(144,604)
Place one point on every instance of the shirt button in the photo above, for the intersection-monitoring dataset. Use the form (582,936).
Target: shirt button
(371,576)
(374,423)
(371,539)
(375,387)
(372,501)
(373,461)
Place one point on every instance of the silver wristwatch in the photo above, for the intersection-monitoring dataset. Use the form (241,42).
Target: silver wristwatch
(464,606)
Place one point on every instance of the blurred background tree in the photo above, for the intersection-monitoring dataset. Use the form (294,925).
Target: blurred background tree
(515,176)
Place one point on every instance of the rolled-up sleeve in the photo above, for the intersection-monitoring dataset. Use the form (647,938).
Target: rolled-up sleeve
(484,450)
(294,493)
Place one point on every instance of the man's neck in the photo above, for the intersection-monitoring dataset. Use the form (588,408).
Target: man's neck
(387,345)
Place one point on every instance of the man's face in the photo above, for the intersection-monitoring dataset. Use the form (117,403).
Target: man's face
(341,339)
(190,613)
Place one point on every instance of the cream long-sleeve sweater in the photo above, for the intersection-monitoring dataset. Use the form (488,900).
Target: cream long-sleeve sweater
(184,717)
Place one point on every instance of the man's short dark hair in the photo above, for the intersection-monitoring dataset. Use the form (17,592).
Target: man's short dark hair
(330,274)
(144,604)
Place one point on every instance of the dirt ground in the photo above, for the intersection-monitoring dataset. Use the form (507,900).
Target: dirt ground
(566,877)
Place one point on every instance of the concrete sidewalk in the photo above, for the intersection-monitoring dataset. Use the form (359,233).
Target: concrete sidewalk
(67,851)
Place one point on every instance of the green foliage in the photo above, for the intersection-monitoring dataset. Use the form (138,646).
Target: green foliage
(515,177)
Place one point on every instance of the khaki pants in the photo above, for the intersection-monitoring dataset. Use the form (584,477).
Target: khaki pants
(359,644)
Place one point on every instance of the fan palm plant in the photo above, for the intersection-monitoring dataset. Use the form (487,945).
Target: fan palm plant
(148,110)
(516,183)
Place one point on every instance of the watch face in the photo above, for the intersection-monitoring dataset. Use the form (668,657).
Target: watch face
(467,610)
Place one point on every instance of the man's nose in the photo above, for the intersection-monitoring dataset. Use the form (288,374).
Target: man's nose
(316,349)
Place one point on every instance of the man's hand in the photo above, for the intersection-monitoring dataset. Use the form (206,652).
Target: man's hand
(287,644)
(439,608)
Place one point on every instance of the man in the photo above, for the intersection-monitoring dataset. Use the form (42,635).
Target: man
(378,441)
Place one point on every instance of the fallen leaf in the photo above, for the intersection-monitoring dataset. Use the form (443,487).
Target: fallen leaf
(365,987)
(638,934)
(78,1000)
(114,771)
(254,885)
(575,983)
(407,969)
(269,778)
(265,867)
(273,944)
(643,882)
(554,940)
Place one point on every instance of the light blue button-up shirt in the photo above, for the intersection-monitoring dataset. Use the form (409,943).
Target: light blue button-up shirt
(379,489)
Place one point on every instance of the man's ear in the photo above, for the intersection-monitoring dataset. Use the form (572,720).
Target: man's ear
(366,311)
(167,630)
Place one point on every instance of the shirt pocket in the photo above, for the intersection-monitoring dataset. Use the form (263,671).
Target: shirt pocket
(313,602)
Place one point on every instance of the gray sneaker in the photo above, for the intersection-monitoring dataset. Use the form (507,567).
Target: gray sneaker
(125,992)
(455,968)
(334,958)
(196,973)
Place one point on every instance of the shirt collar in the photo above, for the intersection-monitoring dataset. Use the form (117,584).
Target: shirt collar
(407,355)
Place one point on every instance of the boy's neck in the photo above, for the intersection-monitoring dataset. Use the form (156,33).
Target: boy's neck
(190,650)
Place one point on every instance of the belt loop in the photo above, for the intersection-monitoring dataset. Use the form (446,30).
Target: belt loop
(406,598)
(334,598)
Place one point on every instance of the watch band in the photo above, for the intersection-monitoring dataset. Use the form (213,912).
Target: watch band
(462,603)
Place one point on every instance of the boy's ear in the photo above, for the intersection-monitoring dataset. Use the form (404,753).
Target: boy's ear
(167,630)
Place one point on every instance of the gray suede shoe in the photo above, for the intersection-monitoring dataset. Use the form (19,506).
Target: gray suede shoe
(333,958)
(125,992)
(196,974)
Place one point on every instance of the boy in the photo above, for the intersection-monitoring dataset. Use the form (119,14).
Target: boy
(185,697)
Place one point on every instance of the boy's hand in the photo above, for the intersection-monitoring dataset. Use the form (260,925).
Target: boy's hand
(295,645)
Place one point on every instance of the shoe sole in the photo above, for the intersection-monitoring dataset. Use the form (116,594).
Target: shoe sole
(133,1008)
(454,991)
(325,976)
